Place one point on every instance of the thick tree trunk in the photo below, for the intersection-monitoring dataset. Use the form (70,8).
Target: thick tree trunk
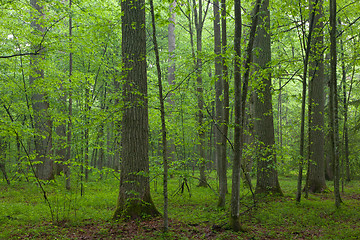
(316,179)
(134,199)
(267,176)
(41,119)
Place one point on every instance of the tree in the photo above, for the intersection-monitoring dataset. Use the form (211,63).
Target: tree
(219,106)
(267,176)
(3,158)
(41,119)
(316,171)
(199,23)
(163,123)
(171,69)
(134,196)
(239,107)
(235,189)
(334,124)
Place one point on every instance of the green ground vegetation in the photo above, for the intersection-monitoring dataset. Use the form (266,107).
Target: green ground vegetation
(194,215)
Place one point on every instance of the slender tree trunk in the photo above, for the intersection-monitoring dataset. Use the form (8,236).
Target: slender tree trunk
(235,190)
(267,176)
(163,123)
(171,74)
(303,106)
(3,159)
(69,130)
(198,15)
(219,106)
(134,196)
(225,82)
(86,131)
(239,107)
(42,121)
(345,105)
(334,103)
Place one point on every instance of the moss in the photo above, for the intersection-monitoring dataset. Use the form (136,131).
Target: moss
(235,224)
(135,208)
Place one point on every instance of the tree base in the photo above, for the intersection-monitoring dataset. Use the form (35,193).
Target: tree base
(135,209)
(235,224)
(317,189)
(275,191)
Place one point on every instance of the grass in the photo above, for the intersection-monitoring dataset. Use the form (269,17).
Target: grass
(25,215)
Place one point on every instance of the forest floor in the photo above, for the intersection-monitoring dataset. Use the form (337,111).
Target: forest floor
(193,215)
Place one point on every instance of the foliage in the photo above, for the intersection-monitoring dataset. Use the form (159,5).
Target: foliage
(25,215)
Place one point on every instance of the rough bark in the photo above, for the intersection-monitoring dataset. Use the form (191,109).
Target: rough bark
(316,171)
(267,176)
(134,199)
(41,119)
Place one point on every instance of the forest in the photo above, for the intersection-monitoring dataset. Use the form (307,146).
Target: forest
(188,119)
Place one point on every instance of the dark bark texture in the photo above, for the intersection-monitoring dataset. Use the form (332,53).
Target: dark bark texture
(134,199)
(316,179)
(41,119)
(267,176)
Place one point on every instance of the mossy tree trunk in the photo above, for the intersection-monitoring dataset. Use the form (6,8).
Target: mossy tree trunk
(134,199)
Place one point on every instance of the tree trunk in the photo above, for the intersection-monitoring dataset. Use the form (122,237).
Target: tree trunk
(303,106)
(225,81)
(134,199)
(316,179)
(345,113)
(267,176)
(2,159)
(219,106)
(163,123)
(42,122)
(171,75)
(334,103)
(235,189)
(69,130)
(198,15)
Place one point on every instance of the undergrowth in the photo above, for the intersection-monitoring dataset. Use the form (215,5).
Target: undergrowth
(25,215)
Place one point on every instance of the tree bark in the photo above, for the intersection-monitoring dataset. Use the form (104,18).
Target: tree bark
(316,179)
(225,81)
(134,199)
(171,75)
(3,159)
(334,103)
(163,123)
(41,119)
(199,20)
(219,108)
(267,176)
